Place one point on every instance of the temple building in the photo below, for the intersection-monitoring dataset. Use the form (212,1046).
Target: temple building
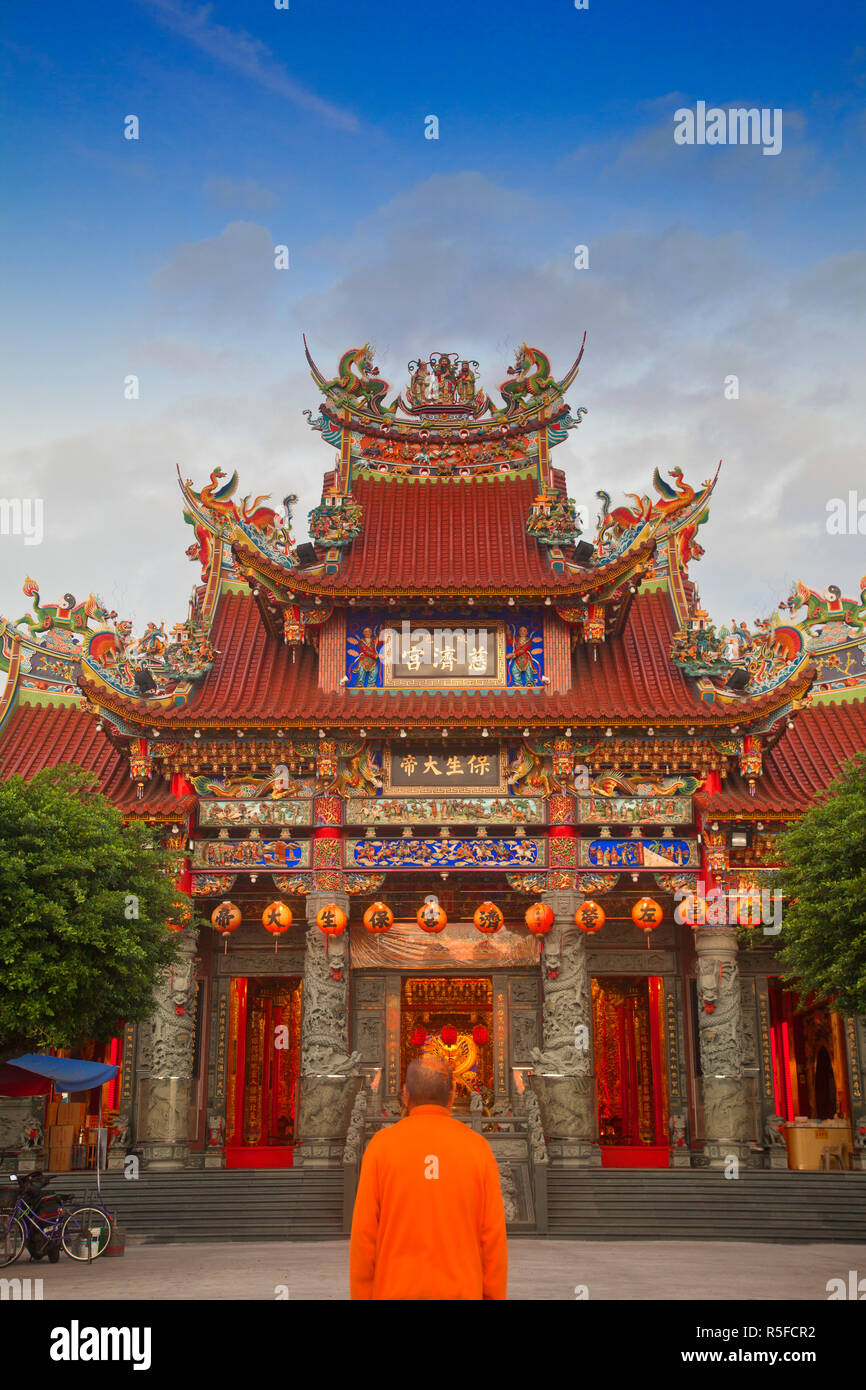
(454,776)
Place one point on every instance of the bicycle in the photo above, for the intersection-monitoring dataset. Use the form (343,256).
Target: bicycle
(83,1233)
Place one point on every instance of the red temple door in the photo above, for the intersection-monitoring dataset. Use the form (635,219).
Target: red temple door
(264,1062)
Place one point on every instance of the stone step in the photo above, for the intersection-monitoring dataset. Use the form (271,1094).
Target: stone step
(597,1204)
(219,1204)
(635,1204)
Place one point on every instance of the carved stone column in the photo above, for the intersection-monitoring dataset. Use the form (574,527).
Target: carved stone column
(330,1075)
(563,1079)
(855,1042)
(164,1069)
(726,1107)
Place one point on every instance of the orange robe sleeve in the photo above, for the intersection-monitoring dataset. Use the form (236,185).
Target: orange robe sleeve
(494,1242)
(365,1229)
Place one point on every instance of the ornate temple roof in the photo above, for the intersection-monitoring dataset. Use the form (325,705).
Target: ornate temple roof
(436,536)
(801,766)
(39,736)
(257,679)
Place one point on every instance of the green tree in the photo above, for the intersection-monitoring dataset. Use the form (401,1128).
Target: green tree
(824,895)
(84,900)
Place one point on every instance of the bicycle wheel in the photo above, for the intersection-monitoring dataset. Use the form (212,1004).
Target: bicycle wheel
(12,1238)
(86,1233)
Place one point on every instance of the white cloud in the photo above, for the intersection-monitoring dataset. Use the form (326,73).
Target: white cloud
(229,276)
(249,57)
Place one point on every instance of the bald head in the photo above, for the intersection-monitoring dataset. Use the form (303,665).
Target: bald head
(429,1081)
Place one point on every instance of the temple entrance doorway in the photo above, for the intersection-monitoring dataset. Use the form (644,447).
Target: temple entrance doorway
(631,1081)
(810,1073)
(451,1017)
(264,1061)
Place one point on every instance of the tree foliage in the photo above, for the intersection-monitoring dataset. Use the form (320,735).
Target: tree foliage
(824,895)
(84,900)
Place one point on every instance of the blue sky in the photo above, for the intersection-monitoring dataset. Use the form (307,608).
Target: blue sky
(306,127)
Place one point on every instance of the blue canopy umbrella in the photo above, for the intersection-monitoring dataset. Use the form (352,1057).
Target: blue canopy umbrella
(34,1075)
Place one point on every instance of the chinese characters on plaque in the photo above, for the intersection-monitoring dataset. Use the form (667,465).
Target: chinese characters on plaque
(409,654)
(462,655)
(420,768)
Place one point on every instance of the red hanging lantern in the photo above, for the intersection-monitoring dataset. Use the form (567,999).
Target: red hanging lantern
(225,919)
(277,918)
(378,918)
(646,914)
(748,909)
(480,1035)
(590,917)
(331,919)
(693,910)
(449,1035)
(539,918)
(418,1037)
(431,917)
(488,918)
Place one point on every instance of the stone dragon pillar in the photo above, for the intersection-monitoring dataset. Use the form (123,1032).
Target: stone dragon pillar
(726,1103)
(330,1076)
(563,1078)
(165,1061)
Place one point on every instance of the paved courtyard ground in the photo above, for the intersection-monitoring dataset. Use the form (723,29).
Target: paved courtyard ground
(539,1270)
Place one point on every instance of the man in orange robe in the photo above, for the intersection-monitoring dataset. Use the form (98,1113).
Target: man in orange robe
(429,1223)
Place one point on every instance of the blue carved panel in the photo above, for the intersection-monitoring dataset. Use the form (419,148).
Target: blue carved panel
(637,854)
(476,854)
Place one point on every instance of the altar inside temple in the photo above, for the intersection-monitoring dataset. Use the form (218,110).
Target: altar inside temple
(451,1018)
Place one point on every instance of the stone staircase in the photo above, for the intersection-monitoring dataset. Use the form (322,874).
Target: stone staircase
(220,1205)
(595,1204)
(695,1204)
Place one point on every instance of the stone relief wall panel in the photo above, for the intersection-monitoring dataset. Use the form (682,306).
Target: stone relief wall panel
(370,1037)
(525,989)
(260,962)
(525,1035)
(369,990)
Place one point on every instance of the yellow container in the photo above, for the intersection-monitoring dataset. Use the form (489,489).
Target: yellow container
(806,1143)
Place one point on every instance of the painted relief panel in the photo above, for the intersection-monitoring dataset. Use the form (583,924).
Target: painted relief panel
(637,854)
(445,810)
(487,853)
(229,813)
(241,855)
(631,810)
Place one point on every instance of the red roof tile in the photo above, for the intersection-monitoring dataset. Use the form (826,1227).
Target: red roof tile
(446,535)
(803,763)
(633,675)
(255,678)
(40,736)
